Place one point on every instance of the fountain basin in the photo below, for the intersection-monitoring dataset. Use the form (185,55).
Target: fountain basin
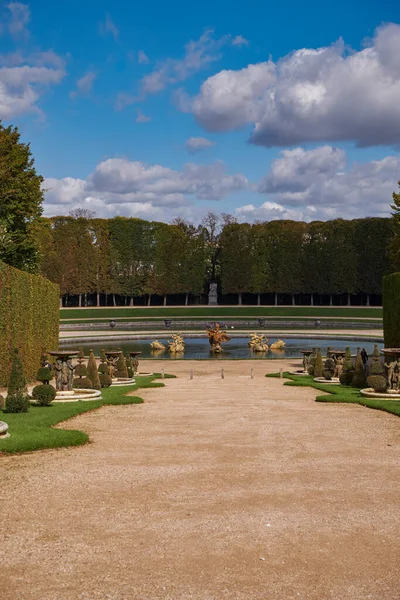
(75,395)
(389,395)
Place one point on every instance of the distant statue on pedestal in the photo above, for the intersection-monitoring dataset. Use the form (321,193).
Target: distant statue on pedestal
(213,295)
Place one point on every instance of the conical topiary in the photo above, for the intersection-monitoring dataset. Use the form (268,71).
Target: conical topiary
(17,400)
(359,379)
(82,380)
(121,371)
(319,366)
(92,371)
(348,369)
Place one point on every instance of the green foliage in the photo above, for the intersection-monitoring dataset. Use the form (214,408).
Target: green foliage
(319,367)
(377,367)
(21,200)
(92,371)
(103,368)
(105,380)
(235,256)
(391,310)
(311,363)
(81,370)
(29,319)
(44,374)
(329,368)
(121,370)
(359,379)
(346,377)
(82,383)
(377,382)
(17,403)
(44,394)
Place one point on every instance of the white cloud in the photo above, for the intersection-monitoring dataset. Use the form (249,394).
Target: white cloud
(143,59)
(317,184)
(196,144)
(142,118)
(120,186)
(84,85)
(18,18)
(109,27)
(325,94)
(123,100)
(239,40)
(21,87)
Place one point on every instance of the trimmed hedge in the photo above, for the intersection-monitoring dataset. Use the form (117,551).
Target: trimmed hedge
(391,310)
(29,319)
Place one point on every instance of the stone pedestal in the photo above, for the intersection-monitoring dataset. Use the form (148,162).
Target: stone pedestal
(213,295)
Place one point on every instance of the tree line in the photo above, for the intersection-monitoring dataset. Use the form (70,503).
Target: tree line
(126,258)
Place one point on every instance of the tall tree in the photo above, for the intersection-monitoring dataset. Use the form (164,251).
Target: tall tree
(21,200)
(395,243)
(260,267)
(235,243)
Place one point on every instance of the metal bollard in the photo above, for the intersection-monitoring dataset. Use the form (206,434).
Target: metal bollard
(162,373)
(222,374)
(191,373)
(252,373)
(281,373)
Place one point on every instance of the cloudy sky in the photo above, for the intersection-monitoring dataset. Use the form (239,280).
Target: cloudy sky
(164,109)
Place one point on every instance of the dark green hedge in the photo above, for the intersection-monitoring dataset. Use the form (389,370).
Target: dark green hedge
(391,310)
(29,319)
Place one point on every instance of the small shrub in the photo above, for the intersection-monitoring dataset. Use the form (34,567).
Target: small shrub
(105,380)
(346,377)
(44,394)
(44,375)
(81,370)
(17,403)
(82,383)
(102,368)
(130,372)
(377,383)
(329,368)
(376,367)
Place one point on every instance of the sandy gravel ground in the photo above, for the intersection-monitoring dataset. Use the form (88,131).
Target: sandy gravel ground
(234,489)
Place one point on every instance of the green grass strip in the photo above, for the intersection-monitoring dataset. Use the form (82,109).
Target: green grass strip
(340,393)
(34,430)
(223,311)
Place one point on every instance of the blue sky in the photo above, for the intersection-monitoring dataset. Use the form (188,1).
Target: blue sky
(157,110)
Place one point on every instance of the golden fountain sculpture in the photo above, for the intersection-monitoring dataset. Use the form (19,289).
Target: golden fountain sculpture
(216,337)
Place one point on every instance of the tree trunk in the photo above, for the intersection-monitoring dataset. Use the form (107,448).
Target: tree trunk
(60,301)
(258,299)
(131,303)
(114,303)
(348,300)
(276,299)
(330,300)
(312,299)
(105,299)
(293,300)
(98,299)
(80,300)
(85,299)
(149,300)
(240,298)
(165,299)
(187,299)
(368,304)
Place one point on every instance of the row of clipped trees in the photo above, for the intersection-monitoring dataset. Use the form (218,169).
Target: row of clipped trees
(120,260)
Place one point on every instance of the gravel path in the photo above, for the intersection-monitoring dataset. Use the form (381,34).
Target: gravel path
(234,489)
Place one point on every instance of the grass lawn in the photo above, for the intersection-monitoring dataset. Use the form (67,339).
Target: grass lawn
(339,393)
(219,312)
(34,430)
